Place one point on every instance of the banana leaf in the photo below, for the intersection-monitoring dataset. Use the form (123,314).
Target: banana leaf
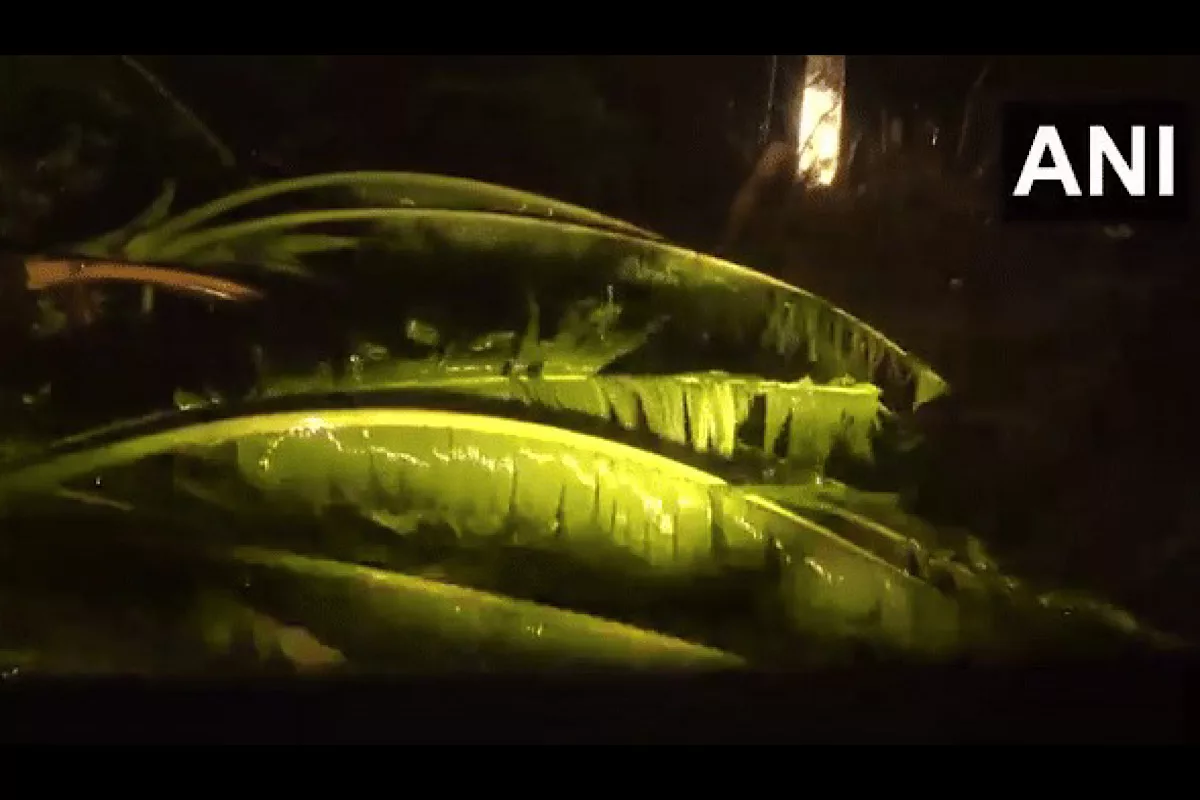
(145,236)
(714,311)
(603,501)
(801,423)
(76,583)
(711,307)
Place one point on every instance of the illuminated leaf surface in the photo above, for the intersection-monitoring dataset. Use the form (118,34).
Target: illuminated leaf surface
(491,481)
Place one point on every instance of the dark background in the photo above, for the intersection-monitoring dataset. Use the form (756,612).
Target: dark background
(662,140)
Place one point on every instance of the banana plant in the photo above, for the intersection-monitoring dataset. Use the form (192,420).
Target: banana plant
(598,396)
(493,478)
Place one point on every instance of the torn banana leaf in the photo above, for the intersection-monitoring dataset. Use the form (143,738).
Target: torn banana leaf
(801,422)
(141,239)
(714,308)
(713,305)
(546,487)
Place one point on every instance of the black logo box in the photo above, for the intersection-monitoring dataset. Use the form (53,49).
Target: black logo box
(1047,202)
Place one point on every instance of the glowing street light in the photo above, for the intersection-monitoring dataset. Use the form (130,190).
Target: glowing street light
(820,130)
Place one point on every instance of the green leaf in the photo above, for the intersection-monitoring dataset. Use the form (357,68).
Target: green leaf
(725,300)
(396,189)
(719,303)
(488,476)
(709,412)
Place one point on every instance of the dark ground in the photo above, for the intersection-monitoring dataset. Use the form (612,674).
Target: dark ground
(1140,702)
